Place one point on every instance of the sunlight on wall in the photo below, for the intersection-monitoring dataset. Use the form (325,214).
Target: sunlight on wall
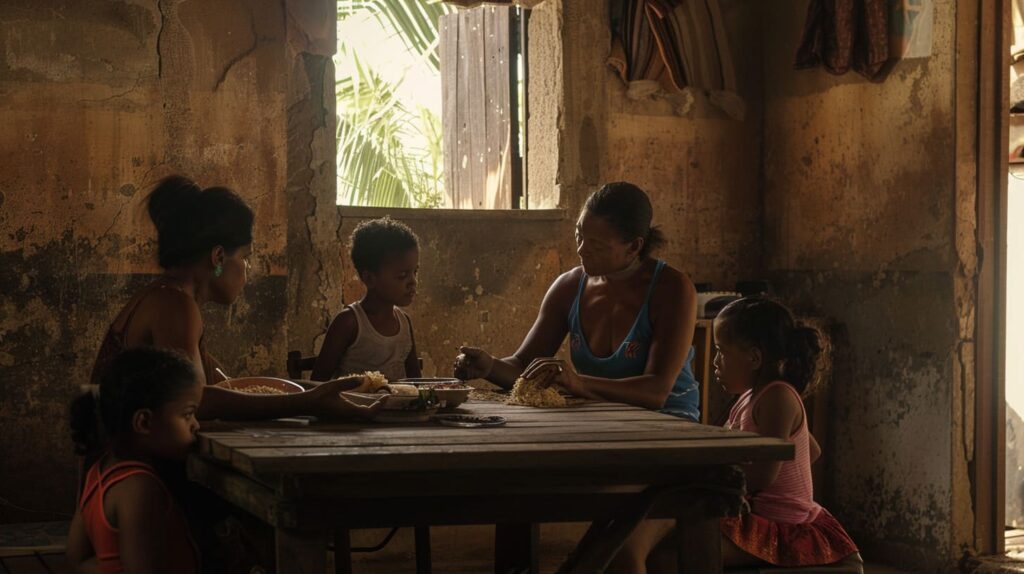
(1014,286)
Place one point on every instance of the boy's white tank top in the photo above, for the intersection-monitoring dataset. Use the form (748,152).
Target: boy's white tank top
(372,351)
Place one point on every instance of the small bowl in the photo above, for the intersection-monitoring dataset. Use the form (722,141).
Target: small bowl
(450,392)
(242,383)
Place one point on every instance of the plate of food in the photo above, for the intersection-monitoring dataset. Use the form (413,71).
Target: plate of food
(261,386)
(450,392)
(405,403)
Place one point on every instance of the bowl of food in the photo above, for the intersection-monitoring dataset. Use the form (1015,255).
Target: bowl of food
(450,392)
(261,386)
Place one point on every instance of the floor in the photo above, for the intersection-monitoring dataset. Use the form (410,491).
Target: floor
(48,538)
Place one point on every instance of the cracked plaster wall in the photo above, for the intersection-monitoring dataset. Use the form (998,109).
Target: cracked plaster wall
(100,99)
(863,222)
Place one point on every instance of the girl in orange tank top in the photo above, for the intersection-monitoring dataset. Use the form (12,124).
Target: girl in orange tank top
(126,518)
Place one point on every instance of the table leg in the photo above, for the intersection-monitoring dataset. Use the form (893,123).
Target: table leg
(423,560)
(342,551)
(700,545)
(300,552)
(515,548)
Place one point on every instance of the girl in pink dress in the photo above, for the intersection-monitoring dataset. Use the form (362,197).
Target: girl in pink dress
(767,360)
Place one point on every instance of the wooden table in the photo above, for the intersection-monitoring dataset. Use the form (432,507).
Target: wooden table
(608,464)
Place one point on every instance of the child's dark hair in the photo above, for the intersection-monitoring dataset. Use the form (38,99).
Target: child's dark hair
(191,221)
(770,326)
(376,240)
(139,378)
(628,209)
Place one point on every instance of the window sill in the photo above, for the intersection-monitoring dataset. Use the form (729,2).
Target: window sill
(454,214)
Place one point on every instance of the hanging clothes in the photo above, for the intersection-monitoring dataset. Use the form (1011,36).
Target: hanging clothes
(841,35)
(675,46)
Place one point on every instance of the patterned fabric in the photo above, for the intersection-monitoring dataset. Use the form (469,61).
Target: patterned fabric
(843,34)
(679,44)
(816,543)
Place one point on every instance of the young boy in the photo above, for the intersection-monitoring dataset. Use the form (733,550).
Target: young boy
(374,334)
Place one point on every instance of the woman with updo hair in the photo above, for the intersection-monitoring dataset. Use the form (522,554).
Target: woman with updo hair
(629,317)
(204,241)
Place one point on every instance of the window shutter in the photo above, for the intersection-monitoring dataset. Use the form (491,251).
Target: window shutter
(475,83)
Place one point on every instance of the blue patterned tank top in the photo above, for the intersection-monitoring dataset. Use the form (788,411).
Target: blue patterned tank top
(630,359)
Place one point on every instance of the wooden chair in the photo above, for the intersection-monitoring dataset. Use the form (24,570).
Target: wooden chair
(297,365)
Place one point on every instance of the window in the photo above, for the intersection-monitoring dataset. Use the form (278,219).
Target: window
(431,105)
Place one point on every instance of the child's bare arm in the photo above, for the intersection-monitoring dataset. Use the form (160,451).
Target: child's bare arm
(776,413)
(412,362)
(340,336)
(141,507)
(80,552)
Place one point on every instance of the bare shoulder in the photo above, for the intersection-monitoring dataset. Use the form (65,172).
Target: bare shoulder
(138,491)
(563,289)
(343,329)
(673,285)
(174,303)
(777,401)
(568,281)
(345,320)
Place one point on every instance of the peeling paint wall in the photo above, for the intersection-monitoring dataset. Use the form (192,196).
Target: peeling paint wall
(702,170)
(860,220)
(100,100)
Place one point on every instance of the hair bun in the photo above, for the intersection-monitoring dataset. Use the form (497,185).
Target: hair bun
(170,197)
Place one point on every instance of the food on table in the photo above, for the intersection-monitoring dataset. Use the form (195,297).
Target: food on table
(487,396)
(375,381)
(261,390)
(534,393)
(403,390)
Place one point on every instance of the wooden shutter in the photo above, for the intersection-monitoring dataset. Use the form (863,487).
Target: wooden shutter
(475,67)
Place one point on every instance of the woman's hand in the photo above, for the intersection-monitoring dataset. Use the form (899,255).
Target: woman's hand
(557,372)
(327,401)
(473,363)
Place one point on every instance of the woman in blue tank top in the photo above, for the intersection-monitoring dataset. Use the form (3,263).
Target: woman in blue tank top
(629,317)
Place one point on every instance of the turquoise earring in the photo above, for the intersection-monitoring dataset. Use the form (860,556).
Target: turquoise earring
(218,270)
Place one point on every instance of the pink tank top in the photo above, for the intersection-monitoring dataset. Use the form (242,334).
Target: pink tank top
(790,499)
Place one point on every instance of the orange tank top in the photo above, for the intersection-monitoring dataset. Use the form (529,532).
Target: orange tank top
(790,499)
(105,538)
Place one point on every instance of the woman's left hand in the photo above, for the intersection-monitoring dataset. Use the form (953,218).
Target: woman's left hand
(557,372)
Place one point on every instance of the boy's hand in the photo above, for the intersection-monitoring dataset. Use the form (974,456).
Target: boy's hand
(473,363)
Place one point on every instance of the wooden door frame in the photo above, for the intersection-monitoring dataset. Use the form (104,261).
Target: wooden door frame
(990,72)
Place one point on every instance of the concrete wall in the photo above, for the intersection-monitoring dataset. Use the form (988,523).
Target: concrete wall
(861,226)
(859,204)
(100,100)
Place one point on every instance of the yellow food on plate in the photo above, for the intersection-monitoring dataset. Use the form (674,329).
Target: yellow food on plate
(374,381)
(261,390)
(531,393)
(404,390)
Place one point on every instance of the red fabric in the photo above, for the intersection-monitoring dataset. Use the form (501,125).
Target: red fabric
(821,541)
(105,539)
